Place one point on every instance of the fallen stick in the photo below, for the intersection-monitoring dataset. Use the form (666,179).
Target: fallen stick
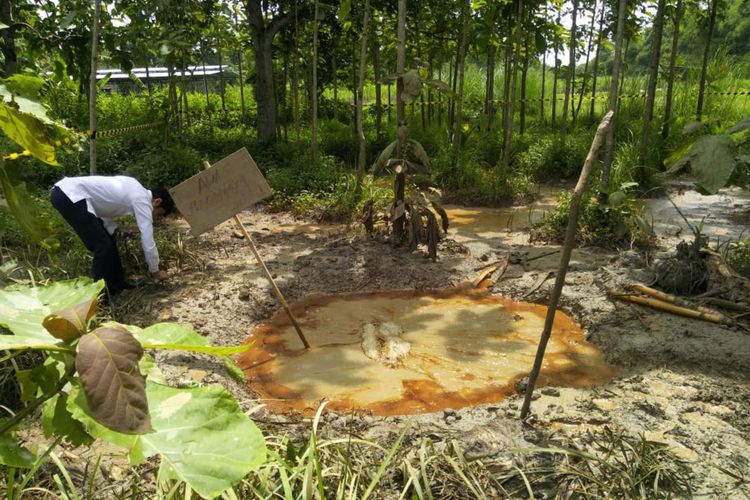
(539,282)
(728,305)
(263,267)
(669,307)
(488,271)
(567,250)
(542,255)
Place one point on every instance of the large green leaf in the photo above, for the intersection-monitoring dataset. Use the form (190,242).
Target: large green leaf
(25,209)
(739,126)
(57,419)
(107,364)
(383,158)
(24,122)
(13,455)
(201,435)
(24,105)
(22,310)
(181,338)
(712,161)
(24,85)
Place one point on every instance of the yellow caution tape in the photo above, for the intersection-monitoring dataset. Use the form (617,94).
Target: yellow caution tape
(96,134)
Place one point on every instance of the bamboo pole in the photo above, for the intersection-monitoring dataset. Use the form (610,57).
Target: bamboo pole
(669,307)
(677,301)
(567,249)
(263,267)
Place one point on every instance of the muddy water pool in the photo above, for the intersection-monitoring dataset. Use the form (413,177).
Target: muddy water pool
(462,349)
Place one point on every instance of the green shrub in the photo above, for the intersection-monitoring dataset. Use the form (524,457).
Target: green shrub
(338,139)
(300,173)
(166,166)
(738,256)
(554,157)
(607,225)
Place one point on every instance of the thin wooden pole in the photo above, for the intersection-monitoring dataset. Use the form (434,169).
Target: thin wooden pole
(262,264)
(92,87)
(562,269)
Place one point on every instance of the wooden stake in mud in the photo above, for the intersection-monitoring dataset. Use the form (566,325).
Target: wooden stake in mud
(567,249)
(262,264)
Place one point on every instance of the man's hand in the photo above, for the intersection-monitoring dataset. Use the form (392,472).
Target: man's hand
(160,275)
(126,234)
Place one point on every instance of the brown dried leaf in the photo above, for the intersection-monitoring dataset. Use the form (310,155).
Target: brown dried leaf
(444,221)
(70,323)
(107,364)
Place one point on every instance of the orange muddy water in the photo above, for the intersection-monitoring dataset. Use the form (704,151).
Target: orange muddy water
(483,222)
(406,352)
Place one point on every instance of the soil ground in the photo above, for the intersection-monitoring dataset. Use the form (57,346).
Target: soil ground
(683,382)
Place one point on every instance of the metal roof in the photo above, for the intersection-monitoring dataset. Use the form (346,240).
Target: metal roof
(162,72)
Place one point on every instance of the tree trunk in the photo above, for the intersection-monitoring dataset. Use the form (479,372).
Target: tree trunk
(440,97)
(430,95)
(704,66)
(92,86)
(596,63)
(622,72)
(402,130)
(378,86)
(586,65)
(283,97)
(648,111)
(314,145)
(240,55)
(148,80)
(265,97)
(205,79)
(610,144)
(672,65)
(221,79)
(556,72)
(571,69)
(524,72)
(361,158)
(452,114)
(334,83)
(541,100)
(183,96)
(511,107)
(489,93)
(389,103)
(295,77)
(461,57)
(8,46)
(508,57)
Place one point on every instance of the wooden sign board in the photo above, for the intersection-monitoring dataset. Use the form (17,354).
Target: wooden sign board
(220,192)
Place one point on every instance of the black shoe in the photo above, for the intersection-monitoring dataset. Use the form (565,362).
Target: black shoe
(129,284)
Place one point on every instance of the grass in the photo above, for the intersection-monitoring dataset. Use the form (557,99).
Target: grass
(322,463)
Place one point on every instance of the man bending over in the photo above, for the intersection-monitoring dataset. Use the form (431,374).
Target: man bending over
(90,204)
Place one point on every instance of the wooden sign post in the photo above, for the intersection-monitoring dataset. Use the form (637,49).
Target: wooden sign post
(219,193)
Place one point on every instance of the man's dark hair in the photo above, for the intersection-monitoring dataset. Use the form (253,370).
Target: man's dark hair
(167,203)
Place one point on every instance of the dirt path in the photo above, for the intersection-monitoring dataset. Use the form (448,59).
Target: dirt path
(684,382)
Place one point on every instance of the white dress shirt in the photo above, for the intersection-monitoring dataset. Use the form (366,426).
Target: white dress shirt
(110,197)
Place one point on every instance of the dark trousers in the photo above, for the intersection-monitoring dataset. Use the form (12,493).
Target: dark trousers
(98,241)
